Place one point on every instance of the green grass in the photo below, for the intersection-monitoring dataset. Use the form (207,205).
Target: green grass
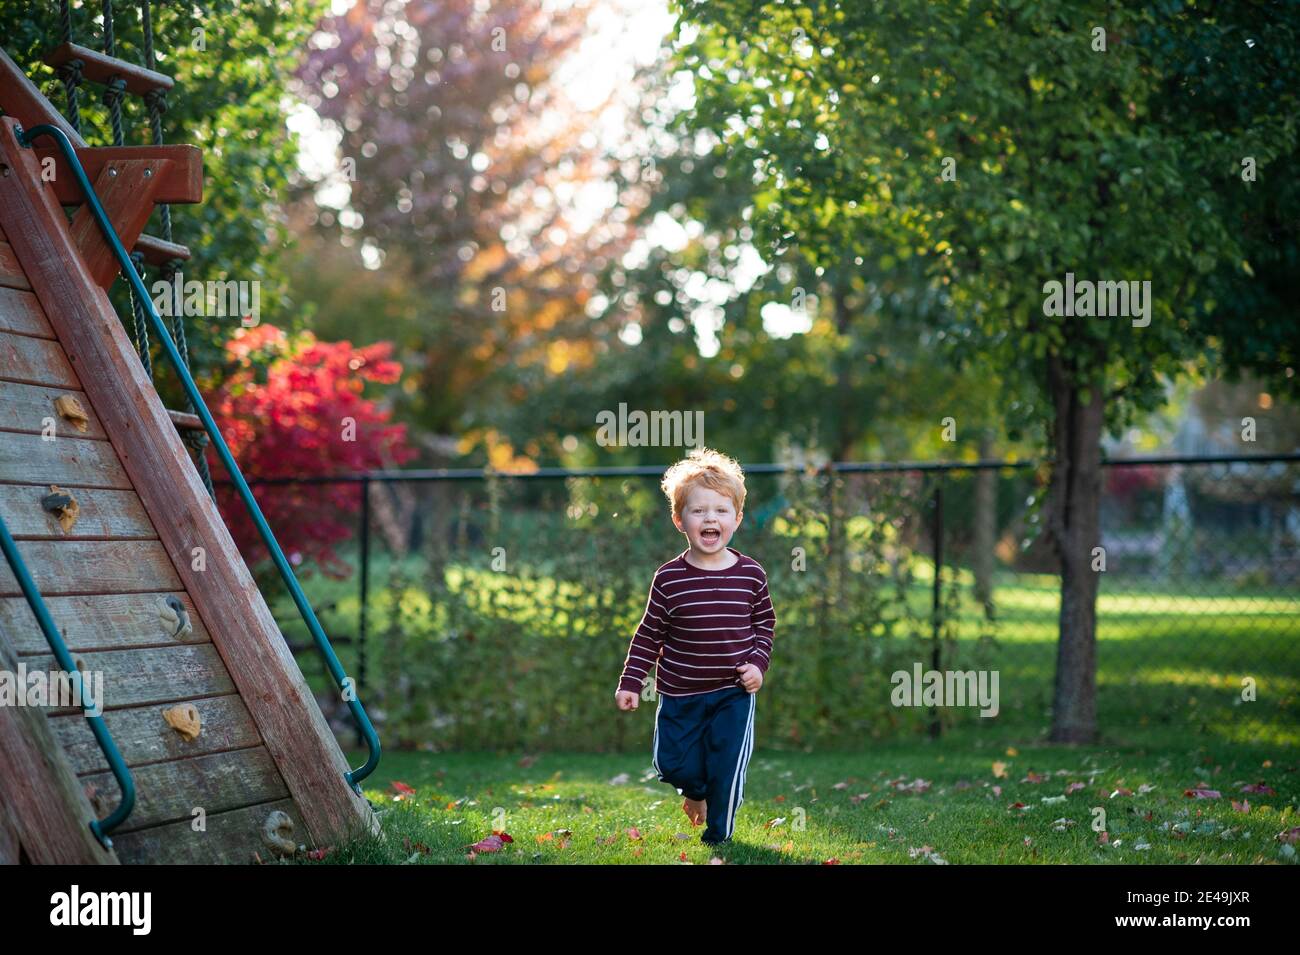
(809,808)
(1170,665)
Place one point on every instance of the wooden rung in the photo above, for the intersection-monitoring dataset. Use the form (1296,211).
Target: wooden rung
(101,68)
(159,252)
(185,421)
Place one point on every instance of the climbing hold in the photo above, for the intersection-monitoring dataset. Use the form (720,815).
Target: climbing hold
(277,833)
(185,720)
(69,407)
(63,505)
(174,616)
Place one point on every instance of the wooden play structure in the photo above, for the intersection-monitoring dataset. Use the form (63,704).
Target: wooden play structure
(211,748)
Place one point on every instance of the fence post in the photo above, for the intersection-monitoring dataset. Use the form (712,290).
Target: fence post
(936,724)
(365,582)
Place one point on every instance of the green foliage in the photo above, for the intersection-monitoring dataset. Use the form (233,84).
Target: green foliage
(1112,165)
(229,101)
(475,648)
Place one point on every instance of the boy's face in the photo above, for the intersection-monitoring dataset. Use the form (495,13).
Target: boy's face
(708,520)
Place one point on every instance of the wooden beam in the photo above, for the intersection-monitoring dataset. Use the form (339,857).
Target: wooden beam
(232,838)
(224,593)
(20,99)
(47,811)
(126,190)
(100,68)
(92,622)
(11,274)
(181,182)
(10,850)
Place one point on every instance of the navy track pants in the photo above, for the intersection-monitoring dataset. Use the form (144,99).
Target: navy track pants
(702,746)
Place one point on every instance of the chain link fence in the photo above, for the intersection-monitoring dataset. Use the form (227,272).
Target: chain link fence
(484,611)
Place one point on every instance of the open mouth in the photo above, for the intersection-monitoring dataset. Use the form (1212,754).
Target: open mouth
(710,536)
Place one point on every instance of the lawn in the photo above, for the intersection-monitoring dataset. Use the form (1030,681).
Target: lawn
(969,798)
(1166,782)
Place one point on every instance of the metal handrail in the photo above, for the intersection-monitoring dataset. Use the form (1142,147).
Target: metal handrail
(353,777)
(100,827)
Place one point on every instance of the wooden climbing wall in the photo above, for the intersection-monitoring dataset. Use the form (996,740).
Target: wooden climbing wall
(115,580)
(106,582)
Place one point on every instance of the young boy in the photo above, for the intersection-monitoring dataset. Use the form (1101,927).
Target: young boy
(708,628)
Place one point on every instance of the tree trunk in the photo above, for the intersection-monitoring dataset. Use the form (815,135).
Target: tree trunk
(392,506)
(986,522)
(1073,527)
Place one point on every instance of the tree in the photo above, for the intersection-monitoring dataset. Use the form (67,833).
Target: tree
(293,406)
(1007,148)
(461,157)
(697,320)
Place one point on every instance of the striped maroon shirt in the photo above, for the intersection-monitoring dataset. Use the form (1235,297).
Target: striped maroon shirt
(699,625)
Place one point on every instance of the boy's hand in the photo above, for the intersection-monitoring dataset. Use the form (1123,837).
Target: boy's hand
(627,700)
(751,677)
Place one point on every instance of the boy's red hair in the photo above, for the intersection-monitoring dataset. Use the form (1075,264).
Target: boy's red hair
(707,468)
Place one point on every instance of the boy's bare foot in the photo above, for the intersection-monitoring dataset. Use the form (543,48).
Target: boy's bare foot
(695,810)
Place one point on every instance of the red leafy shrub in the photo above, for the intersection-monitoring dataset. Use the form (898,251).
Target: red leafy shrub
(294,407)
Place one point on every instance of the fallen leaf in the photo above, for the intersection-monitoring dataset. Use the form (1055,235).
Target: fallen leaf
(492,843)
(1259,787)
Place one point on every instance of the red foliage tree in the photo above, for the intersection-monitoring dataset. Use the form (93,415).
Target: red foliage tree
(294,407)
